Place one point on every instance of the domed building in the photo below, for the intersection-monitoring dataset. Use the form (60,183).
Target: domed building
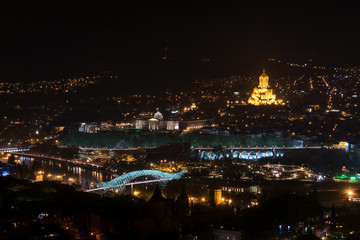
(157,123)
(158,116)
(263,94)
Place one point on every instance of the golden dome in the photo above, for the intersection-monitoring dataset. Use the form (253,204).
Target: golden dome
(263,80)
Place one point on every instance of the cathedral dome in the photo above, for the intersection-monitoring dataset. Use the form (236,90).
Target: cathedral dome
(158,116)
(263,80)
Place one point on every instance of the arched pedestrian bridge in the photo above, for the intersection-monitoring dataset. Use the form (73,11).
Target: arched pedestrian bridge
(124,180)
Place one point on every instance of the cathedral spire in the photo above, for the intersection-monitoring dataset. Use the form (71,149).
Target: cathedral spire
(263,94)
(264,80)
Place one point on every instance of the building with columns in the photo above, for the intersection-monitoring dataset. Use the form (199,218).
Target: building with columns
(157,123)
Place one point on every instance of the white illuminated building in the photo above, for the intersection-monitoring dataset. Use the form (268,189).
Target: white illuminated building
(157,123)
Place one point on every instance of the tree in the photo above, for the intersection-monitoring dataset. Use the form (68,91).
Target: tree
(286,210)
(11,159)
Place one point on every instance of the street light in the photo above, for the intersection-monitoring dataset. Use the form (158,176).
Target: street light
(350,194)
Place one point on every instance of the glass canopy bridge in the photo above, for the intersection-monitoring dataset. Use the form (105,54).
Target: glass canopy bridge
(127,179)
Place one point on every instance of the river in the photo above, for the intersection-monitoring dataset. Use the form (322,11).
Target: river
(67,172)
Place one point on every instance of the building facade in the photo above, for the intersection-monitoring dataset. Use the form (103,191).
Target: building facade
(263,94)
(157,123)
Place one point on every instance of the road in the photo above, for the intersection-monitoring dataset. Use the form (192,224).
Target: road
(59,159)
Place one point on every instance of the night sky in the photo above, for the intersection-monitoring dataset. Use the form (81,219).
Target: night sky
(47,42)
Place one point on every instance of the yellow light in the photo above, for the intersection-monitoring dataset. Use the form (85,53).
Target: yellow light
(203,199)
(350,192)
(223,199)
(136,193)
(230,200)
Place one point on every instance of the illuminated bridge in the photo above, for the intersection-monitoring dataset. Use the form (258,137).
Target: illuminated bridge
(248,153)
(124,180)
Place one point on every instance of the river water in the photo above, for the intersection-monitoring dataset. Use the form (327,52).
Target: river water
(68,172)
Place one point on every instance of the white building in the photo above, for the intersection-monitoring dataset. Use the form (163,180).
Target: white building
(157,123)
(89,128)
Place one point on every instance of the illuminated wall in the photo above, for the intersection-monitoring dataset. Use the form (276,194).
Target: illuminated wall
(215,196)
(155,124)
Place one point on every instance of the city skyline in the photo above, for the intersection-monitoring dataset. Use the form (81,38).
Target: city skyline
(181,121)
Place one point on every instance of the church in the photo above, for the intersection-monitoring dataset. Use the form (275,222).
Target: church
(263,94)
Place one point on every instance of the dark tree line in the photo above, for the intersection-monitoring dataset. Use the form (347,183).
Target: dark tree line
(125,139)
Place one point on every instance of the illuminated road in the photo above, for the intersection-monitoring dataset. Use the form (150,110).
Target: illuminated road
(10,150)
(261,148)
(107,149)
(298,79)
(59,159)
(197,148)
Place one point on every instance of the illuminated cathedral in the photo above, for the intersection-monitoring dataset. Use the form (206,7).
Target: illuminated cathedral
(263,94)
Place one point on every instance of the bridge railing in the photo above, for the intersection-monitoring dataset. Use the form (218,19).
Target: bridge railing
(120,182)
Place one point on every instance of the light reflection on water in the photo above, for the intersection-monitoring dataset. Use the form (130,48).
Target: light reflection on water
(82,175)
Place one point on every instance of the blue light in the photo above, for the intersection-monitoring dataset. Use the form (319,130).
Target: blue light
(119,182)
(320,178)
(5,173)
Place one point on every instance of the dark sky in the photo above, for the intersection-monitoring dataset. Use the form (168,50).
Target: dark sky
(46,42)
